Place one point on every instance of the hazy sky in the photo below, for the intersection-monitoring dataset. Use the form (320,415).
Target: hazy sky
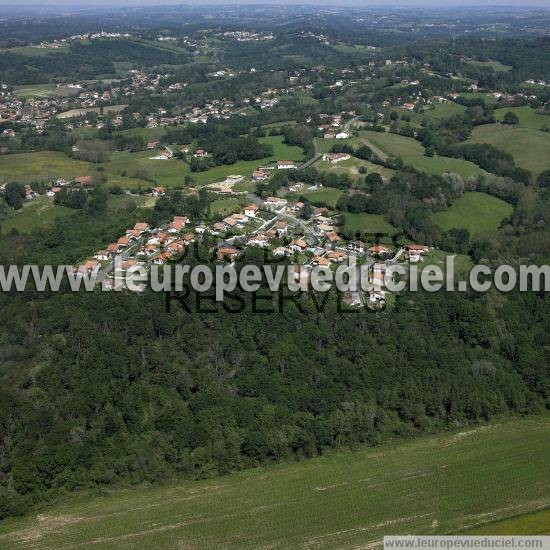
(435,3)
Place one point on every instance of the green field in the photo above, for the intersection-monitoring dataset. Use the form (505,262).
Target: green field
(497,66)
(442,484)
(530,148)
(367,223)
(489,99)
(537,523)
(36,213)
(139,166)
(223,207)
(44,90)
(479,213)
(412,153)
(282,151)
(41,166)
(528,117)
(435,113)
(326,195)
(352,166)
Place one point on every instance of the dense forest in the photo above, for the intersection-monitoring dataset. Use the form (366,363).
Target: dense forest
(102,389)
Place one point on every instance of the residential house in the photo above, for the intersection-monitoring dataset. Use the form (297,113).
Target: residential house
(336,256)
(177,224)
(158,192)
(286,165)
(102,255)
(275,203)
(298,245)
(332,237)
(379,250)
(259,175)
(281,227)
(200,153)
(320,261)
(227,253)
(357,246)
(251,210)
(335,158)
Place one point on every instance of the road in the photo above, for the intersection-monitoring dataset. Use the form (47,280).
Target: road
(378,152)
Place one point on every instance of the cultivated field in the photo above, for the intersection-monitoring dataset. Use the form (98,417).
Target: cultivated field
(41,166)
(434,485)
(530,148)
(412,153)
(44,90)
(479,213)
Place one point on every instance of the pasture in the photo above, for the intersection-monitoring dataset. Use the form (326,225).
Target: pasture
(282,151)
(528,147)
(451,483)
(434,113)
(412,153)
(367,223)
(327,195)
(41,166)
(479,213)
(36,213)
(497,66)
(352,166)
(528,117)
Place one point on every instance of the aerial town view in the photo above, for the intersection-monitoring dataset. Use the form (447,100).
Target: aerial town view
(274,275)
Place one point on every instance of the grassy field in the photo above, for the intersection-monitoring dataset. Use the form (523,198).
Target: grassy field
(36,213)
(326,195)
(442,484)
(528,117)
(352,166)
(44,90)
(528,524)
(434,114)
(282,151)
(479,213)
(41,166)
(224,207)
(367,223)
(497,66)
(412,153)
(528,147)
(139,166)
(489,99)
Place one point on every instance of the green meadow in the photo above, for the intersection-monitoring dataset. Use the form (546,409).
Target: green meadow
(327,195)
(529,147)
(434,113)
(352,166)
(41,166)
(412,153)
(528,117)
(472,480)
(139,170)
(282,151)
(367,223)
(497,66)
(35,213)
(479,213)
